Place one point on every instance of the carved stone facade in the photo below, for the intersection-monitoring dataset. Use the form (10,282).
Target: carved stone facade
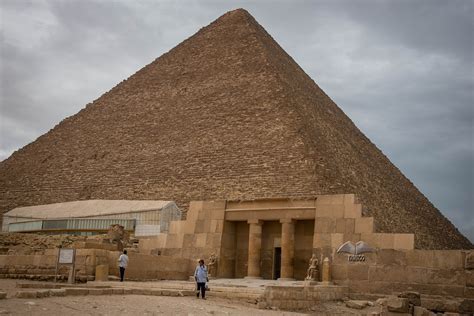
(271,238)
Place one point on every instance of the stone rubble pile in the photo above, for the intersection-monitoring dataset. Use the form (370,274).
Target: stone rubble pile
(410,303)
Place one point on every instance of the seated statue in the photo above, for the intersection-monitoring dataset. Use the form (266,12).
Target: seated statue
(313,271)
(212,265)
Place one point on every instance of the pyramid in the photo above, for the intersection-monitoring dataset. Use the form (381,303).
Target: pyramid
(226,114)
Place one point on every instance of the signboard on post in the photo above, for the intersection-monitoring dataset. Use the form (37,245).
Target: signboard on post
(67,257)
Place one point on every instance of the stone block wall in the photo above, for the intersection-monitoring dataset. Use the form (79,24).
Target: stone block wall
(298,297)
(150,267)
(197,237)
(431,272)
(43,266)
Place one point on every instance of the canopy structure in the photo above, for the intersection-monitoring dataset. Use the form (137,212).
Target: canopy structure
(143,217)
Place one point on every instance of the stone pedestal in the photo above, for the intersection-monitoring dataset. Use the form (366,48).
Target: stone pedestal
(102,272)
(287,249)
(310,283)
(255,246)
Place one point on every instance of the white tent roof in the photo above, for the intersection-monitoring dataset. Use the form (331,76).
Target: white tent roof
(86,208)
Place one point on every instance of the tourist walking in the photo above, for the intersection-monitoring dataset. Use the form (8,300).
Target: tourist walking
(123,263)
(200,275)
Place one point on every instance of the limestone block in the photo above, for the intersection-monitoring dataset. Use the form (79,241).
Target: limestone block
(353,211)
(330,210)
(174,241)
(388,273)
(364,225)
(102,272)
(357,304)
(321,240)
(397,304)
(203,226)
(128,291)
(324,225)
(421,311)
(213,240)
(404,241)
(469,261)
(189,240)
(351,237)
(72,291)
(467,306)
(95,292)
(3,295)
(107,291)
(189,226)
(391,257)
(26,294)
(156,292)
(470,278)
(349,199)
(330,199)
(383,240)
(345,225)
(217,226)
(358,271)
(194,208)
(448,259)
(412,296)
(201,240)
(337,240)
(217,214)
(57,292)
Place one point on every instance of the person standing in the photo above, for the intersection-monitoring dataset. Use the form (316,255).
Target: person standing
(123,263)
(200,275)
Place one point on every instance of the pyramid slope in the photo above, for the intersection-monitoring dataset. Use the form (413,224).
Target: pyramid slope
(227,114)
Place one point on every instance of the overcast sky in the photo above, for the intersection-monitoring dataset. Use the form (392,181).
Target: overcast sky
(401,70)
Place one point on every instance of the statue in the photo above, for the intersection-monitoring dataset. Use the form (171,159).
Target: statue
(212,265)
(313,271)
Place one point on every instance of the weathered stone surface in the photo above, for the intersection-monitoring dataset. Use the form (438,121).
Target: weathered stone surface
(42,293)
(76,291)
(102,272)
(26,294)
(421,311)
(357,304)
(467,306)
(3,295)
(226,114)
(57,292)
(413,297)
(96,292)
(469,263)
(397,304)
(381,301)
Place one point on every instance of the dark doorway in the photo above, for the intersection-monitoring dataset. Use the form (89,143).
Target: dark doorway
(276,263)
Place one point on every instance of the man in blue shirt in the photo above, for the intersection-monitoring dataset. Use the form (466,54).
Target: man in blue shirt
(200,275)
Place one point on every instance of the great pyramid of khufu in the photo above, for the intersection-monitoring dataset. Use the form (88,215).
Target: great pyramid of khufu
(226,114)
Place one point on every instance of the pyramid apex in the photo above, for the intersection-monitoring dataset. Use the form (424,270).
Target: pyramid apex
(236,14)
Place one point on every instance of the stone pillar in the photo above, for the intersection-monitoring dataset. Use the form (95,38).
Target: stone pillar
(255,246)
(326,272)
(287,249)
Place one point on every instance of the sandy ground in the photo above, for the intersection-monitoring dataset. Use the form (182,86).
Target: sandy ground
(123,305)
(128,305)
(146,305)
